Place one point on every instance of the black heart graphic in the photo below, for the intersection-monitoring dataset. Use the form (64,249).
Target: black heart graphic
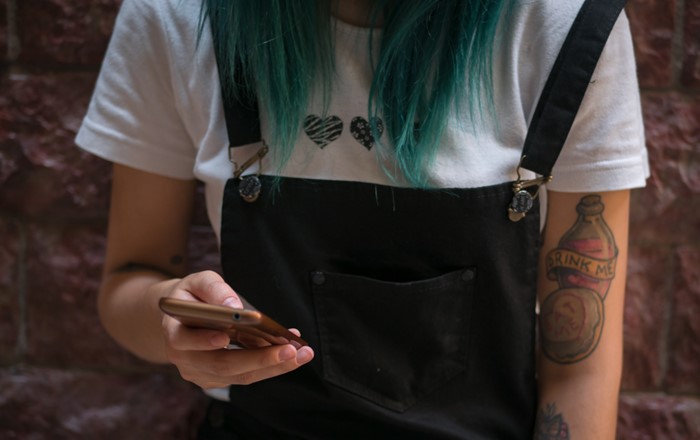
(362,130)
(323,131)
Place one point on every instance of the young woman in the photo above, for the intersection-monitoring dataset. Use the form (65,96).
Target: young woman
(388,220)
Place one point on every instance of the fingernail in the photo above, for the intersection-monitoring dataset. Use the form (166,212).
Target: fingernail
(304,355)
(220,340)
(287,353)
(232,301)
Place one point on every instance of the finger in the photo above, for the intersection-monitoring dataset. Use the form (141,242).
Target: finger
(183,338)
(303,356)
(249,341)
(220,378)
(209,287)
(232,363)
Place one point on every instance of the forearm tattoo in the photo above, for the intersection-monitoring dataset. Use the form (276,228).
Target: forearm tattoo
(583,264)
(549,425)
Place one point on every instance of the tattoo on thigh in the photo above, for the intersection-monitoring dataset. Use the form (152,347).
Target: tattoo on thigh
(583,264)
(549,425)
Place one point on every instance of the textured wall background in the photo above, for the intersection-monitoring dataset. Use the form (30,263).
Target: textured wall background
(62,377)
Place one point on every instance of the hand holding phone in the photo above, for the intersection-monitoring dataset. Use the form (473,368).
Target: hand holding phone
(232,321)
(193,327)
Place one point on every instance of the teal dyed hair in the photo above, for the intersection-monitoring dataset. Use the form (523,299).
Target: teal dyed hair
(433,55)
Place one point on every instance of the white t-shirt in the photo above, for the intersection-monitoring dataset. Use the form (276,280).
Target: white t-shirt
(157,107)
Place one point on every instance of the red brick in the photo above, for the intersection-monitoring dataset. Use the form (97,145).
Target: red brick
(65,32)
(690,75)
(42,172)
(61,405)
(672,195)
(645,305)
(64,264)
(656,417)
(9,289)
(684,339)
(652,23)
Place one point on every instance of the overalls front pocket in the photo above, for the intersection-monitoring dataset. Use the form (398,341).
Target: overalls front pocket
(393,343)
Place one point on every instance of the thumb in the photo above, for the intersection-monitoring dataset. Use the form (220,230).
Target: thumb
(211,288)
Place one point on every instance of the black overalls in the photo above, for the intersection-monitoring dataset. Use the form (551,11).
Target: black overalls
(419,304)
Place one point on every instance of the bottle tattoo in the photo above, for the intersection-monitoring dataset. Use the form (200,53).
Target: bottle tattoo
(583,265)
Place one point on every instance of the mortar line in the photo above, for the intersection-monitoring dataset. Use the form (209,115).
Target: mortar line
(677,52)
(13,44)
(8,22)
(664,361)
(677,48)
(21,347)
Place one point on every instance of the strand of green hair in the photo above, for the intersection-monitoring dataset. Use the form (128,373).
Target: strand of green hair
(434,55)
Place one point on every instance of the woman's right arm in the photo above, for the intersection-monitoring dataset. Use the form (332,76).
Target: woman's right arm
(146,246)
(146,241)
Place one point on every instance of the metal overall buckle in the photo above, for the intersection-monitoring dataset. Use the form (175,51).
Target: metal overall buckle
(249,188)
(524,194)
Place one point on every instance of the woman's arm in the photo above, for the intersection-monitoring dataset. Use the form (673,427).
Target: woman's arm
(146,244)
(146,247)
(581,287)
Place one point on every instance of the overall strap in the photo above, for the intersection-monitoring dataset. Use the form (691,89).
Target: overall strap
(567,84)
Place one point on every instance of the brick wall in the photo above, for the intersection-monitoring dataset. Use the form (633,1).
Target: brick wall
(62,377)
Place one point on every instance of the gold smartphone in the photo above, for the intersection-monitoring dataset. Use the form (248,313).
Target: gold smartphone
(202,315)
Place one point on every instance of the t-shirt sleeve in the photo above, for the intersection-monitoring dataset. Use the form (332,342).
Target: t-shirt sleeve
(133,118)
(605,149)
